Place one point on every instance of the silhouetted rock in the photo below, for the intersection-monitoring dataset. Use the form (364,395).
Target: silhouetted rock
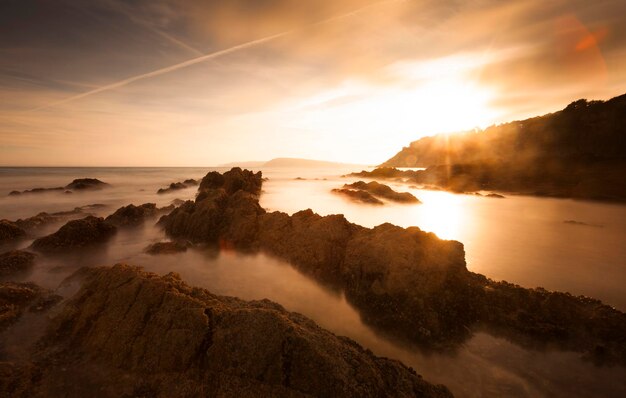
(36,190)
(494,195)
(17,298)
(176,186)
(167,247)
(82,233)
(10,232)
(132,215)
(358,196)
(403,281)
(131,333)
(15,261)
(579,152)
(383,191)
(80,184)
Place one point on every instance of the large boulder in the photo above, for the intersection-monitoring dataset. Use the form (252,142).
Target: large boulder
(82,233)
(81,184)
(150,335)
(132,215)
(382,191)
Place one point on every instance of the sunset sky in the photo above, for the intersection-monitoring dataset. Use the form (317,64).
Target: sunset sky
(199,83)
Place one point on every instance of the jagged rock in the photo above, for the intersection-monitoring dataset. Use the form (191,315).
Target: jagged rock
(82,233)
(403,281)
(167,247)
(132,215)
(17,298)
(177,202)
(150,335)
(86,183)
(383,191)
(358,196)
(15,261)
(10,232)
(190,182)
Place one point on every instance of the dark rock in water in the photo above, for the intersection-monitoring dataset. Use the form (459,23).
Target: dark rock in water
(35,190)
(383,191)
(131,333)
(80,184)
(82,233)
(167,247)
(15,261)
(494,195)
(176,186)
(403,281)
(10,232)
(17,298)
(358,196)
(132,215)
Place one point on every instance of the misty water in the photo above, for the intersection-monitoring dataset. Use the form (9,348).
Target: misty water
(524,240)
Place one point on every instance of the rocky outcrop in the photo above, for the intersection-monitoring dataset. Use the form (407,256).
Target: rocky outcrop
(10,232)
(132,215)
(167,247)
(79,184)
(18,298)
(82,184)
(76,234)
(131,333)
(15,261)
(176,186)
(578,152)
(383,191)
(403,281)
(357,195)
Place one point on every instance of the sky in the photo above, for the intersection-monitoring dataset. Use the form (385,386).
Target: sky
(205,82)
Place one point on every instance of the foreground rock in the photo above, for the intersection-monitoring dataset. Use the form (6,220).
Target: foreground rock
(76,234)
(358,196)
(167,247)
(15,262)
(383,191)
(18,298)
(130,333)
(10,232)
(403,281)
(79,184)
(176,186)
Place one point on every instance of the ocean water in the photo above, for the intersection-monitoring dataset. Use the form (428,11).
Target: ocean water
(524,240)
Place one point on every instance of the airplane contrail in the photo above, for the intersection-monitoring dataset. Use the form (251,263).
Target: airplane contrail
(201,58)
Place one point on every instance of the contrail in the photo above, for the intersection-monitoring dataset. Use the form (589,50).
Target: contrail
(199,59)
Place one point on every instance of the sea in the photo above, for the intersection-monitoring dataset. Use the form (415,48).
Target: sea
(558,244)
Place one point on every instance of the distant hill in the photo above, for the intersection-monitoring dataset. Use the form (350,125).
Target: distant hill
(290,163)
(579,151)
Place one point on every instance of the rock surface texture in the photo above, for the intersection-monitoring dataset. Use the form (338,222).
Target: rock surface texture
(404,281)
(15,261)
(131,333)
(76,234)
